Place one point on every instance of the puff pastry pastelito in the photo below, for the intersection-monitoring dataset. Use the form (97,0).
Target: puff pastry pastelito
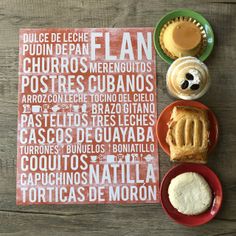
(188,134)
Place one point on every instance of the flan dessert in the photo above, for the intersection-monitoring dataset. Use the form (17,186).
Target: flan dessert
(182,37)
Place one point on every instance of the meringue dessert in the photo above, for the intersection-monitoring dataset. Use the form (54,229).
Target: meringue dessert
(182,37)
(187,78)
(190,194)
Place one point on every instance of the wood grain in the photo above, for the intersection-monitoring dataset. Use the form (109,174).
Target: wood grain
(113,219)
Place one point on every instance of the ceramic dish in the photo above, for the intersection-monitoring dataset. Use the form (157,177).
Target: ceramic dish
(214,184)
(187,14)
(164,117)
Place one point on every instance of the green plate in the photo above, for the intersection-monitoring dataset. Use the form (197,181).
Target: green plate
(187,13)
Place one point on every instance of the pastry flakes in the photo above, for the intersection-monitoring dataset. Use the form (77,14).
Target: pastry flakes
(188,134)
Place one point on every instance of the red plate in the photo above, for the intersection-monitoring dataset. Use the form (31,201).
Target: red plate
(213,182)
(162,128)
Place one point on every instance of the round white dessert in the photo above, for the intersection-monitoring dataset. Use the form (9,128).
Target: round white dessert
(190,194)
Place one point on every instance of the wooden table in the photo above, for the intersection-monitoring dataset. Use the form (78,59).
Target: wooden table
(114,219)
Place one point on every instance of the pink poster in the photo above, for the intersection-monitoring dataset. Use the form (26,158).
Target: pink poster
(86,117)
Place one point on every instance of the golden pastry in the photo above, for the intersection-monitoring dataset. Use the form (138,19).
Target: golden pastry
(187,78)
(182,37)
(188,134)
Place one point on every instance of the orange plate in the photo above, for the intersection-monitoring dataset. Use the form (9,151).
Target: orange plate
(215,186)
(162,128)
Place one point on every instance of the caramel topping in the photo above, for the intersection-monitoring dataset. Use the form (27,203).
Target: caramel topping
(186,35)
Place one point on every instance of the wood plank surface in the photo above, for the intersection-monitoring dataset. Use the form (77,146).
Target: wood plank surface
(129,220)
